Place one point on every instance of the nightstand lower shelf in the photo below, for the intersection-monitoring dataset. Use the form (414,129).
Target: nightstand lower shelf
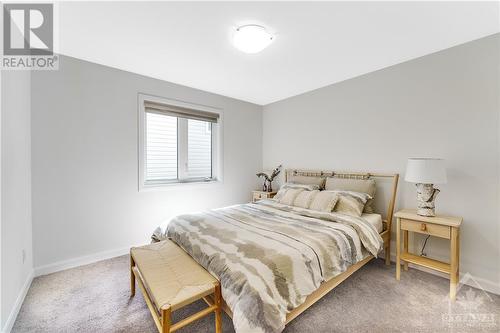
(426,262)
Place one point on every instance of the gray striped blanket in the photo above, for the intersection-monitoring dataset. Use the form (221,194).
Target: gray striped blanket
(269,257)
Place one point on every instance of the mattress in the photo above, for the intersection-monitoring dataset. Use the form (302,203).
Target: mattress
(375,220)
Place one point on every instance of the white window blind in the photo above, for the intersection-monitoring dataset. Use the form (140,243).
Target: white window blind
(161,147)
(199,149)
(181,112)
(179,144)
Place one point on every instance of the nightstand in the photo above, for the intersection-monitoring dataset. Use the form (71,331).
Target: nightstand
(257,195)
(447,227)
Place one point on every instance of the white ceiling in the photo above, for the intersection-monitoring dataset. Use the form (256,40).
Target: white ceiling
(316,44)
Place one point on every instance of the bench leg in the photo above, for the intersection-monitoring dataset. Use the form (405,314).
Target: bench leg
(132,276)
(166,321)
(218,311)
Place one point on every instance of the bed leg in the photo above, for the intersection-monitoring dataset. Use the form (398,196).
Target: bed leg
(218,314)
(166,321)
(132,276)
(388,254)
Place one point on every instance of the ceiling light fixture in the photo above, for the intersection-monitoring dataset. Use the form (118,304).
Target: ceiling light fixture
(252,38)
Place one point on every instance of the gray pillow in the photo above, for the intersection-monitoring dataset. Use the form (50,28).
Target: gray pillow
(367,186)
(308,187)
(320,181)
(351,203)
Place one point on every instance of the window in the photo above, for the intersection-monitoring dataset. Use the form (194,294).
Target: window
(179,143)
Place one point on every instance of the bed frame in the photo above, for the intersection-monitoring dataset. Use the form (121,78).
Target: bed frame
(327,286)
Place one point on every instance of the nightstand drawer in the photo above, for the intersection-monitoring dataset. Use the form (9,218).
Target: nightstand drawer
(257,195)
(442,231)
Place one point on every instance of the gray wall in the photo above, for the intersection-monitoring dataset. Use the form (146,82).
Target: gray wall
(441,105)
(16,191)
(85,161)
(84,148)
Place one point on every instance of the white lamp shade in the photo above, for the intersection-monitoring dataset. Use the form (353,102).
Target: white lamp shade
(425,171)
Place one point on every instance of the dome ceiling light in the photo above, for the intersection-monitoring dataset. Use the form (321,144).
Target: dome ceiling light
(252,38)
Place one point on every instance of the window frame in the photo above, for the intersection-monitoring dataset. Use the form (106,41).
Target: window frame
(217,145)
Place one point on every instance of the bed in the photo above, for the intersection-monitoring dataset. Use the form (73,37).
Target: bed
(274,260)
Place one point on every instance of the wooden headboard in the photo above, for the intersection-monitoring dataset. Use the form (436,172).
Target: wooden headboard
(392,178)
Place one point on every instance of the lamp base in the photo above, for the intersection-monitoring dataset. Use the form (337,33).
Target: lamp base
(430,212)
(426,196)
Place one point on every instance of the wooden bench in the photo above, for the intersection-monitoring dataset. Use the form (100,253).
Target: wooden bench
(169,280)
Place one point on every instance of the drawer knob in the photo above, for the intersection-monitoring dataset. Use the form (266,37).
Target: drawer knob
(423,227)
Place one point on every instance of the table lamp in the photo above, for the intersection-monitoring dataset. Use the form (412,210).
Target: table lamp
(426,172)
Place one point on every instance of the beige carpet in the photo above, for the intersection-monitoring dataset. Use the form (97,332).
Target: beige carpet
(95,298)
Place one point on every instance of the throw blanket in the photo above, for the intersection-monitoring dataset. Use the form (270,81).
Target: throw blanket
(269,257)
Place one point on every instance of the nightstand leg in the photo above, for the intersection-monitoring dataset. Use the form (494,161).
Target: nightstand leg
(398,248)
(454,271)
(388,253)
(405,248)
(132,276)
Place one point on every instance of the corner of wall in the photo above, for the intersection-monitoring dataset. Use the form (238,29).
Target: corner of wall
(16,228)
(11,319)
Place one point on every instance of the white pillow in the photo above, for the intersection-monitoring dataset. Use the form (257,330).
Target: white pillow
(305,198)
(280,194)
(285,186)
(324,201)
(289,196)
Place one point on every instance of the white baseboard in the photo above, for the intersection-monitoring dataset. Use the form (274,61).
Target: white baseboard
(79,261)
(56,267)
(490,286)
(17,305)
(487,285)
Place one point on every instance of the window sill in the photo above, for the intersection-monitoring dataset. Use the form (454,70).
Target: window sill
(178,185)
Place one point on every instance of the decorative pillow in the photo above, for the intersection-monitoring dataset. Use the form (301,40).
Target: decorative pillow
(305,198)
(320,181)
(289,196)
(367,186)
(285,186)
(324,201)
(351,203)
(280,194)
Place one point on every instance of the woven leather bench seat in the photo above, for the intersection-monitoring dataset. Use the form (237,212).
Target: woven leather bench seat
(170,279)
